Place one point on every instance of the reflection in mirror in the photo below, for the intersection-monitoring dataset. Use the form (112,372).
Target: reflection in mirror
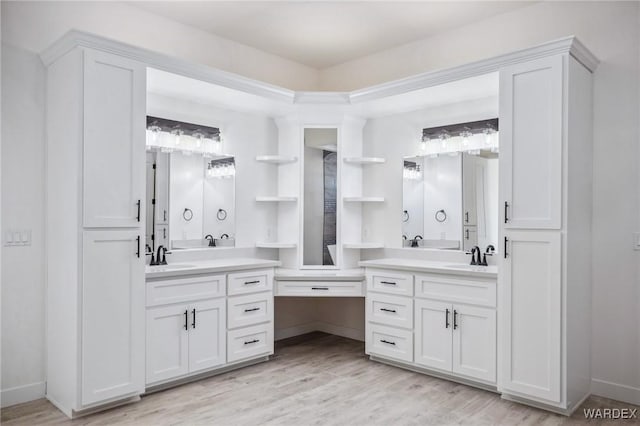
(320,172)
(190,195)
(450,197)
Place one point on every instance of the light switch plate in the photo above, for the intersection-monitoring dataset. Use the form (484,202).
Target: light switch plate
(13,237)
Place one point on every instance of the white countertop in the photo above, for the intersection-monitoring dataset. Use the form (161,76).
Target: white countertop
(207,266)
(450,268)
(284,274)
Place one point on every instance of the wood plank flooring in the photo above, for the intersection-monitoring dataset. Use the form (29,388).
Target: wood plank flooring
(317,379)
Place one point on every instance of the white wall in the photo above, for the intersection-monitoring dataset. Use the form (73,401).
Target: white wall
(36,25)
(23,330)
(611,31)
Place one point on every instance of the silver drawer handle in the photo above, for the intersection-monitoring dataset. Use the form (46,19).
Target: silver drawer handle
(388,342)
(251,282)
(252,309)
(252,341)
(387,282)
(319,288)
(388,310)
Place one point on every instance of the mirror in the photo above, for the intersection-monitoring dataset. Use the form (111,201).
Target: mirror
(320,173)
(450,201)
(190,200)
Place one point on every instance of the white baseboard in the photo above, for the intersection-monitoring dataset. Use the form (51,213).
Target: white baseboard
(20,394)
(624,393)
(325,327)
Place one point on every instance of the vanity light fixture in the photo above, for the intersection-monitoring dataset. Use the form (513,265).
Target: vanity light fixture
(170,135)
(224,168)
(453,139)
(411,171)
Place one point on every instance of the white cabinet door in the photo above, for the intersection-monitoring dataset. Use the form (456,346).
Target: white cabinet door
(433,334)
(531,100)
(531,286)
(114,141)
(167,342)
(207,334)
(113,315)
(474,342)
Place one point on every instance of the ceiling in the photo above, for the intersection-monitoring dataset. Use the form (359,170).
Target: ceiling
(325,33)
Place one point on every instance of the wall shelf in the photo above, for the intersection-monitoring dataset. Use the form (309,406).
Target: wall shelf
(276,159)
(276,199)
(363,245)
(363,199)
(276,245)
(364,160)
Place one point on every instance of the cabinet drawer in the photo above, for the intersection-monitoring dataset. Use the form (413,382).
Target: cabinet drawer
(320,288)
(453,289)
(391,282)
(390,310)
(250,342)
(250,281)
(164,292)
(390,342)
(249,310)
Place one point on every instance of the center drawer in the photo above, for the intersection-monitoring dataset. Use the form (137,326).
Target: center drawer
(249,310)
(390,310)
(320,288)
(249,342)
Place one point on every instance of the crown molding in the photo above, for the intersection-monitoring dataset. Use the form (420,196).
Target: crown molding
(163,62)
(564,45)
(567,45)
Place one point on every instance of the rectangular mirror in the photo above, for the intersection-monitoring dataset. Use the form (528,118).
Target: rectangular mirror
(190,200)
(450,195)
(320,197)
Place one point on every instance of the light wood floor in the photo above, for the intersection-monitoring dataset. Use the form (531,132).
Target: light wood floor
(317,379)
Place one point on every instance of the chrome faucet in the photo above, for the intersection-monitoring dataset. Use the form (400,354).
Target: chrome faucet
(212,242)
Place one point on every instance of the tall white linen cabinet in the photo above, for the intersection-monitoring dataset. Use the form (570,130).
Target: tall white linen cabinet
(544,274)
(95,229)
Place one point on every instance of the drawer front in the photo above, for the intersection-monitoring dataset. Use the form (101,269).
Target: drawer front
(390,342)
(320,288)
(391,282)
(164,292)
(457,290)
(385,309)
(249,310)
(249,342)
(250,281)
